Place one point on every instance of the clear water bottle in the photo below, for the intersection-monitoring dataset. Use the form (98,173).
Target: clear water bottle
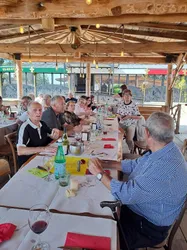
(60,162)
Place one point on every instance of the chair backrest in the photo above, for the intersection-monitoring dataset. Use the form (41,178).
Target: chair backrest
(4,167)
(12,139)
(176,225)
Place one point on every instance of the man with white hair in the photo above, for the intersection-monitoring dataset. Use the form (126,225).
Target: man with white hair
(53,116)
(34,135)
(156,188)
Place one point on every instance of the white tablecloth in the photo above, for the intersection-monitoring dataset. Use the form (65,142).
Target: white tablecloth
(55,234)
(25,190)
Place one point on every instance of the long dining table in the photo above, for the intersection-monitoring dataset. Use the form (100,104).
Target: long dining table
(81,214)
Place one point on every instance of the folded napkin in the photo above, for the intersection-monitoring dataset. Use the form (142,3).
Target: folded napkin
(38,172)
(108,146)
(108,139)
(88,241)
(6,231)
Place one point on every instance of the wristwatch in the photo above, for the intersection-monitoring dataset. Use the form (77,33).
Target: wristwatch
(99,176)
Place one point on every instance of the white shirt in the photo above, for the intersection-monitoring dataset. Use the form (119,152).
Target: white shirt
(78,109)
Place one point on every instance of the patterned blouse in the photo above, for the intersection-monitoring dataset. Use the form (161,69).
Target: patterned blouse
(128,109)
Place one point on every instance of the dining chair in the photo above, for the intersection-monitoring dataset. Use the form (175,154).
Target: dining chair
(4,172)
(167,243)
(11,140)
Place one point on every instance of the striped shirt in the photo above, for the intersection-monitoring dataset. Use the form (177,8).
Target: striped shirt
(157,185)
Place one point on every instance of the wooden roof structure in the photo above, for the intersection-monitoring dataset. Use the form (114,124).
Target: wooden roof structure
(151,31)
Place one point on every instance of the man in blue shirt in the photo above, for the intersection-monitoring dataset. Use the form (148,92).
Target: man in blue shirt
(156,187)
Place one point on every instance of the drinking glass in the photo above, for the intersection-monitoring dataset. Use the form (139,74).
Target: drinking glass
(78,136)
(48,164)
(38,220)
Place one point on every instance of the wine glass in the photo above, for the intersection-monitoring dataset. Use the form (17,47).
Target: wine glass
(38,220)
(78,136)
(48,164)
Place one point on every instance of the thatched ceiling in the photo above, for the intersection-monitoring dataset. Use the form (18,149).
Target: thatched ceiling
(154,31)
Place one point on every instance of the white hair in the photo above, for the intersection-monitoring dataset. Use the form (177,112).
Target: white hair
(161,127)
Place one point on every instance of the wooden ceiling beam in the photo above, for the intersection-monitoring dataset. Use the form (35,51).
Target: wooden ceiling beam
(126,37)
(32,32)
(161,26)
(166,47)
(174,35)
(157,60)
(125,18)
(181,60)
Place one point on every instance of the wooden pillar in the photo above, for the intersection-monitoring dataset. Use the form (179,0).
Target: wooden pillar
(169,91)
(19,75)
(88,79)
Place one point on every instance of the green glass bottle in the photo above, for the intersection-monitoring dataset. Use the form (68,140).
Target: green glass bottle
(60,162)
(65,142)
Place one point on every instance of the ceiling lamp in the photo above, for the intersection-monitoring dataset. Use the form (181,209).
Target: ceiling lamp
(122,52)
(88,2)
(97,25)
(56,63)
(67,60)
(94,62)
(21,29)
(96,66)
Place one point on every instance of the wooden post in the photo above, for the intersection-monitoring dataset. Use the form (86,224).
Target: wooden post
(88,79)
(19,75)
(169,90)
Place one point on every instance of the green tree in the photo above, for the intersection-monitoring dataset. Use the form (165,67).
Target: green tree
(181,85)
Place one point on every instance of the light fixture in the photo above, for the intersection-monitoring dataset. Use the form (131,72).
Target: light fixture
(97,25)
(21,29)
(88,2)
(56,63)
(94,62)
(96,66)
(122,52)
(67,60)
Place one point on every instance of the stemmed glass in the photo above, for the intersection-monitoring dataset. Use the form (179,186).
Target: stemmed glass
(48,164)
(38,220)
(78,136)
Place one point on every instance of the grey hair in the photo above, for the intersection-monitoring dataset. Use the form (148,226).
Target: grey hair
(55,99)
(30,105)
(161,127)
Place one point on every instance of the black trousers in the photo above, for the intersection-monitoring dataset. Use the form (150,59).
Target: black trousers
(140,232)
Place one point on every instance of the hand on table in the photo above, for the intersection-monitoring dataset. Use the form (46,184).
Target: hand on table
(95,166)
(55,133)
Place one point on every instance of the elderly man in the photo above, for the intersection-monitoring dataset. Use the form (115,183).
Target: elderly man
(156,188)
(34,135)
(24,103)
(53,116)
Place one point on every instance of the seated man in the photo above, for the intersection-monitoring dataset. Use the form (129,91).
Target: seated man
(53,116)
(156,188)
(24,103)
(34,135)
